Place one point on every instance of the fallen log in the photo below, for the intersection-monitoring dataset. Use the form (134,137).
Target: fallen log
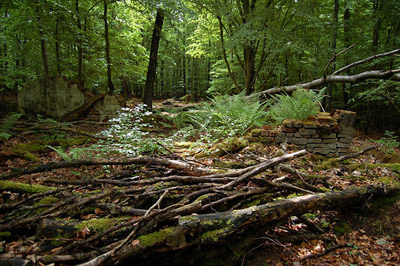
(198,230)
(146,160)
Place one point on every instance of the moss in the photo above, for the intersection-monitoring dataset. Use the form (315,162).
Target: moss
(23,188)
(213,236)
(256,132)
(45,201)
(99,225)
(183,144)
(154,238)
(224,147)
(67,142)
(342,228)
(327,164)
(5,235)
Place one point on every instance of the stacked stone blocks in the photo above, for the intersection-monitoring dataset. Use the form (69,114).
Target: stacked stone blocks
(326,134)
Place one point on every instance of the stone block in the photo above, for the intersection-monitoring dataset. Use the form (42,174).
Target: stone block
(287,123)
(300,141)
(314,141)
(297,135)
(342,150)
(321,151)
(289,130)
(329,141)
(273,133)
(252,139)
(332,146)
(267,140)
(290,135)
(256,132)
(265,133)
(305,132)
(298,124)
(343,145)
(329,136)
(310,126)
(324,129)
(281,137)
(317,145)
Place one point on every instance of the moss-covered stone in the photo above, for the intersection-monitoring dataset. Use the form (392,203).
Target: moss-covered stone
(170,236)
(23,188)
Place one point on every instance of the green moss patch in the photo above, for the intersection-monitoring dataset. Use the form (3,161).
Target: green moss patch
(23,188)
(99,225)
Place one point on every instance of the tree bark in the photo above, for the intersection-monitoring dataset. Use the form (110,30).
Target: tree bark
(80,48)
(330,87)
(108,59)
(45,56)
(152,69)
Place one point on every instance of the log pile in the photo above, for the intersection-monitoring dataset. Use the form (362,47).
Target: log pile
(179,206)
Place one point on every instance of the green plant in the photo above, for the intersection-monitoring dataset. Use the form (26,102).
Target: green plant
(300,105)
(126,134)
(389,142)
(72,154)
(7,124)
(224,117)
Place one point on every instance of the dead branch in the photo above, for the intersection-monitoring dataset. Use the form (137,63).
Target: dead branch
(356,154)
(147,160)
(366,60)
(373,74)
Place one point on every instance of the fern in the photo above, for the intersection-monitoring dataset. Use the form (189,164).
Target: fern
(8,124)
(300,105)
(64,156)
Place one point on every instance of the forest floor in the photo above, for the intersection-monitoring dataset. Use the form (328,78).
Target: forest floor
(363,235)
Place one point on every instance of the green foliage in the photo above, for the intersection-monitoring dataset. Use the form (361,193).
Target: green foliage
(127,135)
(226,116)
(7,124)
(389,142)
(300,105)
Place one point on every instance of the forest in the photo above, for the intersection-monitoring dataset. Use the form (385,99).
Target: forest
(188,132)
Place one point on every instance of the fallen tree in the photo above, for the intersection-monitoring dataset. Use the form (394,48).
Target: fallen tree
(392,74)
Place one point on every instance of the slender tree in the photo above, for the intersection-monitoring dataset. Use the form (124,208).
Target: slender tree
(151,72)
(108,59)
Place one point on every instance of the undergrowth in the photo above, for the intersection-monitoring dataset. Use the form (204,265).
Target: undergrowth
(301,104)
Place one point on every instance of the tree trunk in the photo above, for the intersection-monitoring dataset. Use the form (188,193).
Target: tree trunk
(330,87)
(45,56)
(249,66)
(108,60)
(80,48)
(151,72)
(347,40)
(57,39)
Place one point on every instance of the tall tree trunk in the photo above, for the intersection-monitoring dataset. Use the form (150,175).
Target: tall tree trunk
(80,48)
(185,85)
(151,72)
(249,67)
(108,60)
(45,56)
(57,39)
(330,87)
(347,39)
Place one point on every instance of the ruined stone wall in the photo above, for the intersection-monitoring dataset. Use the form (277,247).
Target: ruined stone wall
(324,134)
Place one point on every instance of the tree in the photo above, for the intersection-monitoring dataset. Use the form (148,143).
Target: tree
(151,72)
(107,49)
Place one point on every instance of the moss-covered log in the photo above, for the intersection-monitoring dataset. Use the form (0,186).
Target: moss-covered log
(210,229)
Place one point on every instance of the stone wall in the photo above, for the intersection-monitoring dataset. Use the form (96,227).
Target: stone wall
(324,134)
